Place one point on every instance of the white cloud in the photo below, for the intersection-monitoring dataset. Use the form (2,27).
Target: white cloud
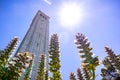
(48,2)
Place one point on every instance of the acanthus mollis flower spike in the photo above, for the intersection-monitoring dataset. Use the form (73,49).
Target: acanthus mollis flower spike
(83,45)
(54,44)
(5,56)
(109,74)
(86,74)
(113,58)
(109,71)
(54,54)
(96,62)
(82,42)
(20,62)
(79,74)
(46,75)
(41,70)
(88,60)
(72,76)
(107,63)
(28,70)
(105,74)
(12,45)
(109,52)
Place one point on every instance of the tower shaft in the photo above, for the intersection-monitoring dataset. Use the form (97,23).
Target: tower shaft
(36,40)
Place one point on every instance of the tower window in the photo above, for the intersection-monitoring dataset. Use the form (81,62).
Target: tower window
(37,44)
(40,14)
(45,18)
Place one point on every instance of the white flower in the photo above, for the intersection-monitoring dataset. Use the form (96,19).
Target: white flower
(23,70)
(27,65)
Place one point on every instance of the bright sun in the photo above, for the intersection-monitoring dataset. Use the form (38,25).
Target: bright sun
(70,14)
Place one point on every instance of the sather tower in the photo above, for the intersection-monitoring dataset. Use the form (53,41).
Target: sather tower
(36,40)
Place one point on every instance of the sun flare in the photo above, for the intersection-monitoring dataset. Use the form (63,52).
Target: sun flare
(70,14)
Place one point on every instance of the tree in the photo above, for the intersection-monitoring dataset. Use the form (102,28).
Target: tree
(41,70)
(54,53)
(89,62)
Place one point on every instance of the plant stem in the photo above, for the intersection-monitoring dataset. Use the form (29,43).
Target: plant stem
(93,72)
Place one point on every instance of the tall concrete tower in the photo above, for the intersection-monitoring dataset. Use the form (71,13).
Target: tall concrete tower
(36,40)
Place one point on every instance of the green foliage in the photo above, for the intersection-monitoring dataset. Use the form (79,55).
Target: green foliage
(89,62)
(41,70)
(54,53)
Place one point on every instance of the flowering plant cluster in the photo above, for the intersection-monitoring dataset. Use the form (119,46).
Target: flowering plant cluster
(20,66)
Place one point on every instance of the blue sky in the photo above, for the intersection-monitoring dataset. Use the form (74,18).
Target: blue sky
(100,23)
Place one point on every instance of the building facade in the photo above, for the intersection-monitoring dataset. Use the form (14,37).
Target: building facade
(36,40)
